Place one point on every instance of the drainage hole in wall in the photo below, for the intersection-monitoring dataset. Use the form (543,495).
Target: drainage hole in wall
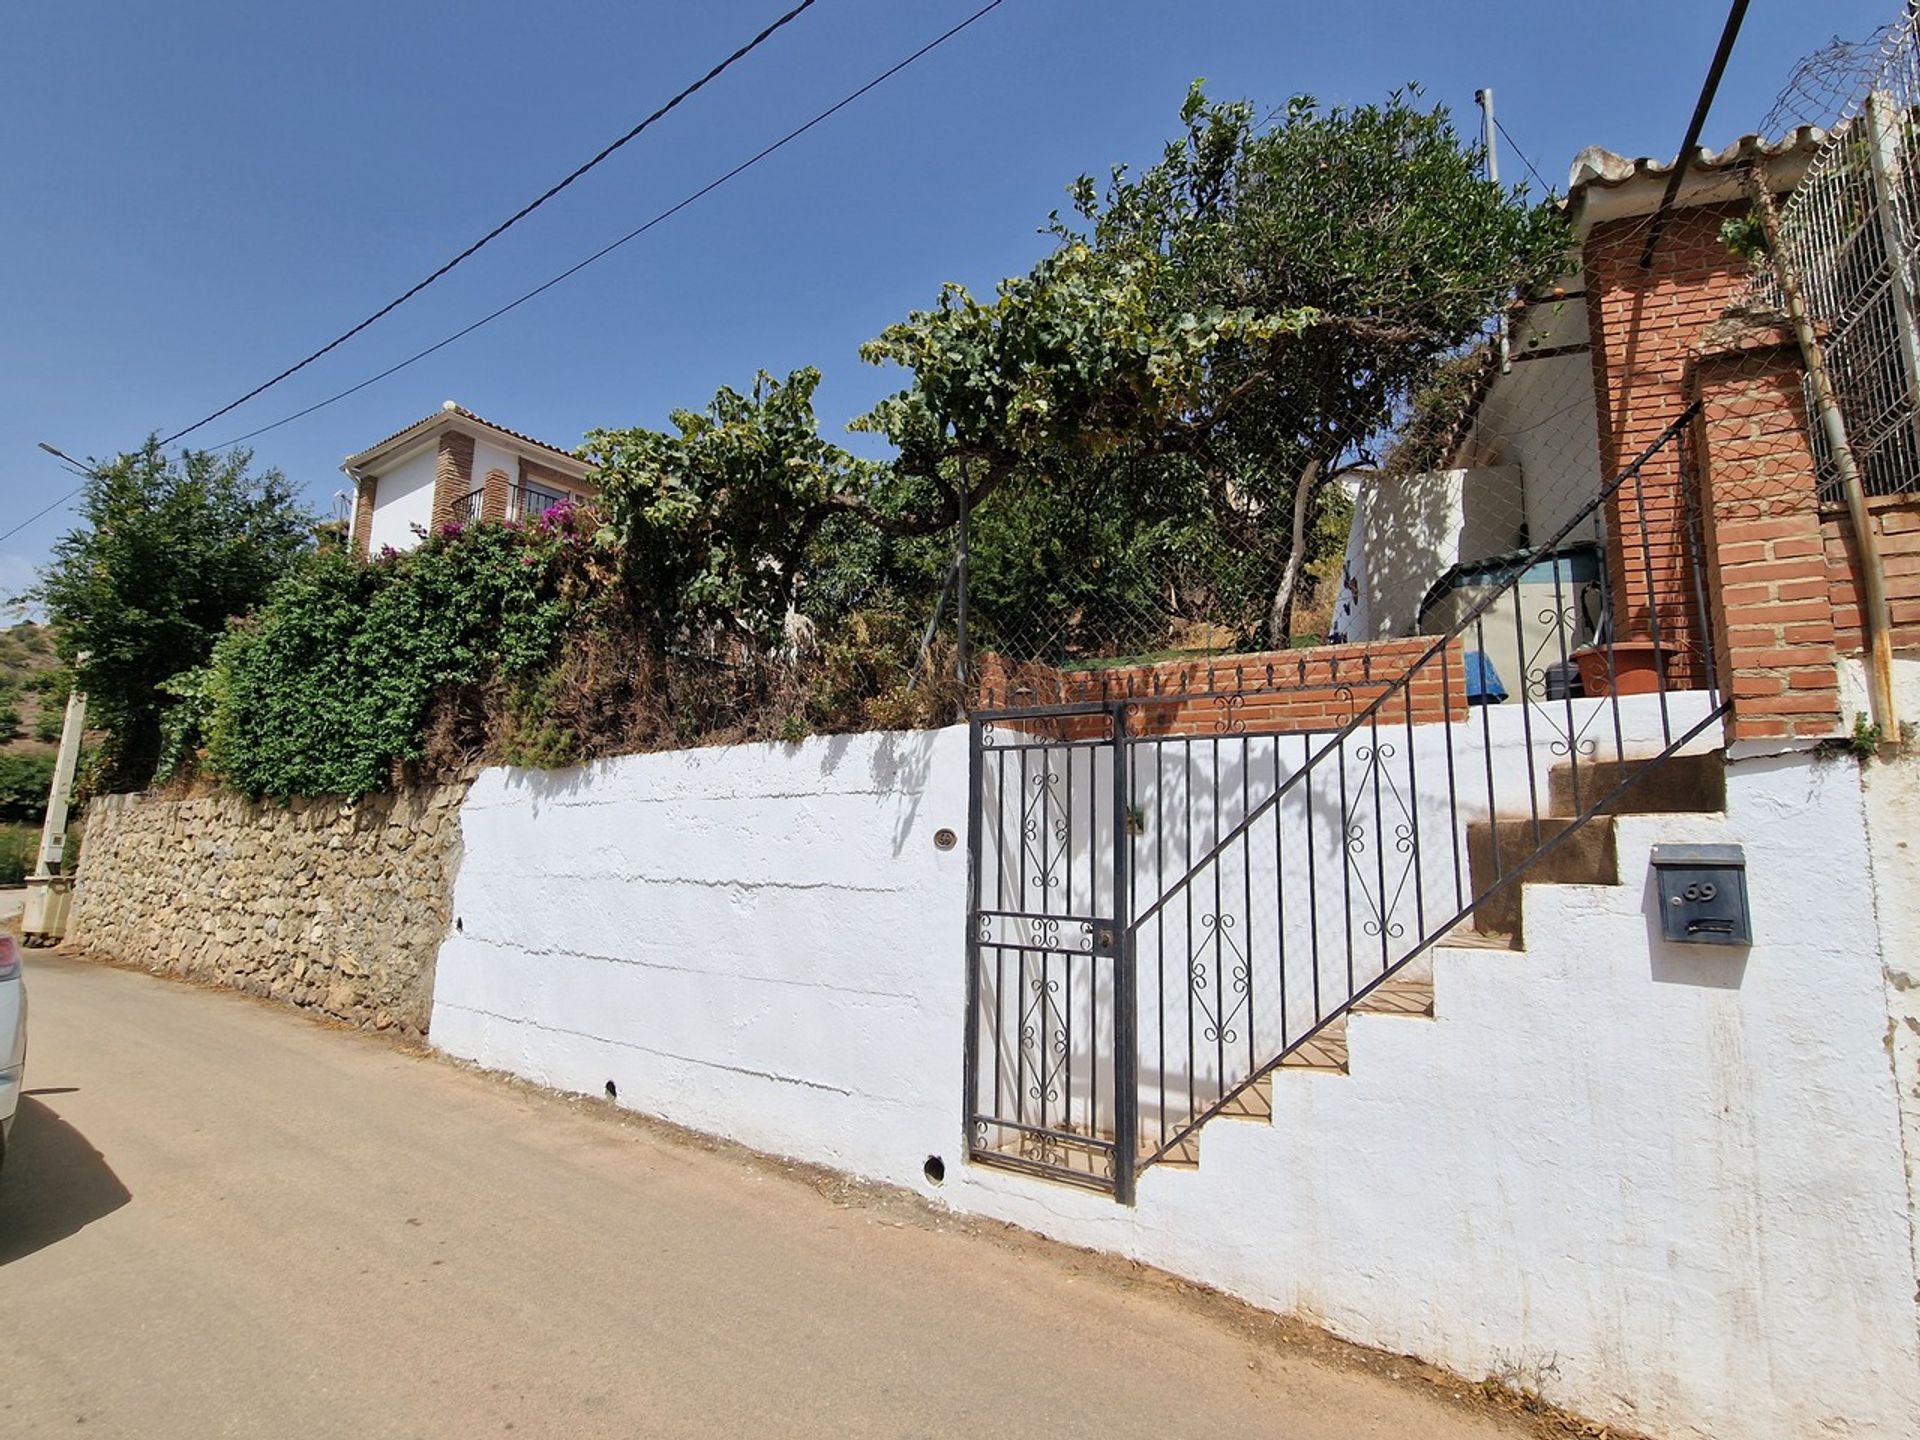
(613,1091)
(935,1169)
(458,923)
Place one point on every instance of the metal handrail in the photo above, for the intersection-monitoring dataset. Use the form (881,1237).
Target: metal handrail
(1245,975)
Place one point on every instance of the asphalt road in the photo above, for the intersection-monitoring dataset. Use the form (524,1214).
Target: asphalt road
(223,1219)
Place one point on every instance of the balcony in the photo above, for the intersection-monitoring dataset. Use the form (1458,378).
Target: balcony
(529,502)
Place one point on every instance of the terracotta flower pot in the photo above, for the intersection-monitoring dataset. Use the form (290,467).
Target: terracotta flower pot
(1625,667)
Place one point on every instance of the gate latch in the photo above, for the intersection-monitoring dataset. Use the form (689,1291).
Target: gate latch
(1703,894)
(1106,938)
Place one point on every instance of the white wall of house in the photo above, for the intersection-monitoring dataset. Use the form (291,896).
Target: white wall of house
(402,499)
(1409,530)
(1531,463)
(1660,1185)
(1539,416)
(494,457)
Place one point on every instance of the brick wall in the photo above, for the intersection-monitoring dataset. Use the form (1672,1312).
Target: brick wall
(1283,691)
(1766,558)
(453,481)
(1645,327)
(493,504)
(1896,523)
(363,514)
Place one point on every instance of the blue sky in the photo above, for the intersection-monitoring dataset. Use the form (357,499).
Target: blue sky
(200,193)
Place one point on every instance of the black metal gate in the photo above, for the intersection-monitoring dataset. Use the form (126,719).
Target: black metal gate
(1167,903)
(1049,991)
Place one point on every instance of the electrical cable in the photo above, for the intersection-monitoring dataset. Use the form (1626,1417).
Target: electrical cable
(9,534)
(633,234)
(504,225)
(1523,156)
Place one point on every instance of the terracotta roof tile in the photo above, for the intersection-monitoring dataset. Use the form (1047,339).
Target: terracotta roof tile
(450,408)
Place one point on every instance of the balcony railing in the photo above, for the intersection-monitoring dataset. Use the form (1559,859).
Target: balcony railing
(467,508)
(529,502)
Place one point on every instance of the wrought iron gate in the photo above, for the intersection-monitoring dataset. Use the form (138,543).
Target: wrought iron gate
(1167,902)
(1049,992)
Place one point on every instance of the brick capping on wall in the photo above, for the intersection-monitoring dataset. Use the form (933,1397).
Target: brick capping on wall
(1288,691)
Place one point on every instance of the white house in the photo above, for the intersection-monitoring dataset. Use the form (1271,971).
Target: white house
(453,467)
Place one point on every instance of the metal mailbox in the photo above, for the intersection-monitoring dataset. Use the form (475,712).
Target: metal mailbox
(1703,894)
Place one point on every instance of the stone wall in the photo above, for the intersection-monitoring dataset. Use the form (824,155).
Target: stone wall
(338,906)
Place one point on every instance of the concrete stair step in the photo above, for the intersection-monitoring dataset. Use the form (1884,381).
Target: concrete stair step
(1680,784)
(1469,936)
(1404,994)
(1326,1052)
(1497,848)
(1253,1103)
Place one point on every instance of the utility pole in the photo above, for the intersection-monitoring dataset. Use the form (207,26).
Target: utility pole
(1484,99)
(50,888)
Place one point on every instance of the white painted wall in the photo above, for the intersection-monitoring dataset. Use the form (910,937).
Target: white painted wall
(402,499)
(1409,530)
(494,457)
(1661,1186)
(1893,831)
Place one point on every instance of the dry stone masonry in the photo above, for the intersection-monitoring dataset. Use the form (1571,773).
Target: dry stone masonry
(333,905)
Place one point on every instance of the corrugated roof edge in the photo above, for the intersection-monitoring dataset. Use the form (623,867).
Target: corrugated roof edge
(1605,186)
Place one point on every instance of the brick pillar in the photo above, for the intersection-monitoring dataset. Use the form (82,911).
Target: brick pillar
(453,481)
(363,515)
(493,504)
(1765,557)
(1645,325)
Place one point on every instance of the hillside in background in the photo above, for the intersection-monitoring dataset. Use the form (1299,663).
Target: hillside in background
(32,703)
(32,690)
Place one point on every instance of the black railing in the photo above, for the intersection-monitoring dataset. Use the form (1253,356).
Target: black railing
(1161,918)
(529,502)
(470,508)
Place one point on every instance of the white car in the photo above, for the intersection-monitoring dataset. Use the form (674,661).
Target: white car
(13,1036)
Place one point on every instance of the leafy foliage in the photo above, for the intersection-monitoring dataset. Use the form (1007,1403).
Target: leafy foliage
(714,520)
(328,686)
(24,782)
(170,550)
(1223,332)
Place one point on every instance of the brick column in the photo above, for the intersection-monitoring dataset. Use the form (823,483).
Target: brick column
(363,515)
(1644,326)
(493,504)
(453,481)
(1765,557)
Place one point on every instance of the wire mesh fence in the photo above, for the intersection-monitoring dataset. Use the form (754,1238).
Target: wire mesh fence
(1850,230)
(1437,503)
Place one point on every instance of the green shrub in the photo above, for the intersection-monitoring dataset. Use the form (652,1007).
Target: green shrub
(328,685)
(48,724)
(24,780)
(17,843)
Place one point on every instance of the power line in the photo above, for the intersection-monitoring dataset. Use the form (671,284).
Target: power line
(9,534)
(1736,13)
(504,225)
(633,234)
(1523,156)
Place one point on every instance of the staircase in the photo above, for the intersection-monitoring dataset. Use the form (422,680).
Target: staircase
(1581,853)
